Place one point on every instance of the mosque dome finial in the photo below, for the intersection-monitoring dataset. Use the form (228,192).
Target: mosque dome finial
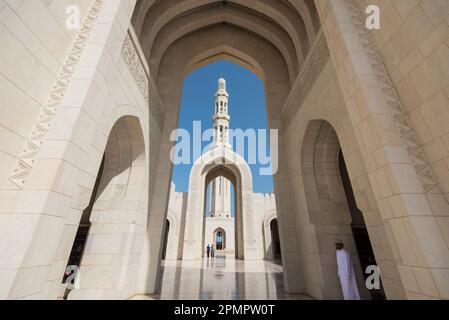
(221,83)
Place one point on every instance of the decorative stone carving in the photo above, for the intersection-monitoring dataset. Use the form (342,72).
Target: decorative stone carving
(305,81)
(408,134)
(33,144)
(135,63)
(135,66)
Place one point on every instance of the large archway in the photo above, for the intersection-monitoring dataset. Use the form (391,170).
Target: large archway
(332,209)
(270,38)
(106,230)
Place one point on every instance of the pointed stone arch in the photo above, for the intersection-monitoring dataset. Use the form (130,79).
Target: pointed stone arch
(329,217)
(112,230)
(220,162)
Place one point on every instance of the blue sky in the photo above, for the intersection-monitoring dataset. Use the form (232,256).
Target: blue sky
(246,106)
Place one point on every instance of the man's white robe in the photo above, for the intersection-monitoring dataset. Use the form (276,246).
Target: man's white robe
(346,272)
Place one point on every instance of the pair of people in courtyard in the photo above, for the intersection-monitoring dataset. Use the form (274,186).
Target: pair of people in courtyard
(210,251)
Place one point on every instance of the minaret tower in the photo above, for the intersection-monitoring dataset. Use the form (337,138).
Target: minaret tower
(221,117)
(220,193)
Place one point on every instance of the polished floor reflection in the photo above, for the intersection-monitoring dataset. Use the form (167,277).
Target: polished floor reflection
(221,278)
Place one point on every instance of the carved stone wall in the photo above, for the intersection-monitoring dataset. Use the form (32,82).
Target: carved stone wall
(407,132)
(135,65)
(134,59)
(35,141)
(310,72)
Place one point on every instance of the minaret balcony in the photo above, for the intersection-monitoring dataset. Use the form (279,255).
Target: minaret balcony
(221,116)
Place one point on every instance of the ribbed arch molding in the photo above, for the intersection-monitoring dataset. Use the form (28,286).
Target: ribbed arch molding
(289,25)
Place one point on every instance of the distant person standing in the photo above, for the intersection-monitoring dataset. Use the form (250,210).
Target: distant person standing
(208,250)
(212,251)
(346,272)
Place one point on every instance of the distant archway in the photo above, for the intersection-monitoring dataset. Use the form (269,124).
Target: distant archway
(214,163)
(227,173)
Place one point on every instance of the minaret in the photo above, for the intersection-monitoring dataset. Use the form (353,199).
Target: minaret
(220,192)
(221,117)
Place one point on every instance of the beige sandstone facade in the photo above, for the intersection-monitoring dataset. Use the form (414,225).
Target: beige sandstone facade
(86,118)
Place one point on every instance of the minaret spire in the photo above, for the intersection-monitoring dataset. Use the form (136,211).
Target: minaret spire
(221,117)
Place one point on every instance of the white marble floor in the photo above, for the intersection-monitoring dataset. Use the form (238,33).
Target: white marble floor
(221,278)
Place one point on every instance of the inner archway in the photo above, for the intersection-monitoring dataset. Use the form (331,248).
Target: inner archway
(223,174)
(219,215)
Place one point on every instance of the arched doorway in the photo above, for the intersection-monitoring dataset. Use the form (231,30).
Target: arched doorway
(215,163)
(105,229)
(167,232)
(220,239)
(275,241)
(228,174)
(329,204)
